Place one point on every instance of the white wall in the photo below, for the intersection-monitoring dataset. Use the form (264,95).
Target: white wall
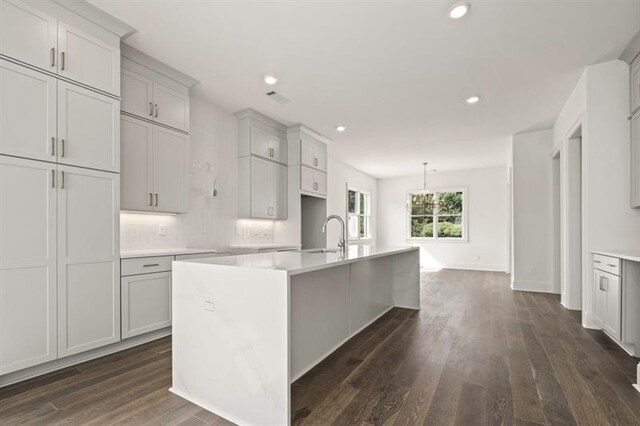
(487,245)
(341,175)
(532,210)
(601,102)
(211,222)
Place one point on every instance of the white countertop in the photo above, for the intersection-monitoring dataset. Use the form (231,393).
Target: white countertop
(131,254)
(264,246)
(632,255)
(298,262)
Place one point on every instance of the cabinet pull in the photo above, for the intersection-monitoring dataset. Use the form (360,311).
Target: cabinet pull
(62,179)
(53,56)
(62,61)
(596,261)
(149,265)
(270,211)
(150,109)
(150,199)
(605,283)
(315,186)
(53,178)
(600,283)
(156,199)
(612,265)
(156,115)
(315,162)
(53,146)
(63,148)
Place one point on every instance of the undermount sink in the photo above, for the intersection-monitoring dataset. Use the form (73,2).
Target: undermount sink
(323,251)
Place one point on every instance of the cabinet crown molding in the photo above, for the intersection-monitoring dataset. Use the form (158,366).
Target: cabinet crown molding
(252,113)
(97,16)
(147,61)
(302,128)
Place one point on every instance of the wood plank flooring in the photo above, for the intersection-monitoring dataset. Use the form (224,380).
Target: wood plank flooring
(477,353)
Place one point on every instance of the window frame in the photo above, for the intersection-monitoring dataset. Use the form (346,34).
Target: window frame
(435,238)
(368,215)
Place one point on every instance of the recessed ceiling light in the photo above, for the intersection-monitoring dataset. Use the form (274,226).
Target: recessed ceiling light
(473,99)
(341,128)
(270,80)
(458,9)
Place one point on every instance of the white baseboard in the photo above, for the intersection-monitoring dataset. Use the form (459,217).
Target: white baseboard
(534,286)
(470,267)
(590,321)
(59,364)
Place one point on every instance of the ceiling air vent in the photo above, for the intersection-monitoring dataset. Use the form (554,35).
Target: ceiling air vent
(278,97)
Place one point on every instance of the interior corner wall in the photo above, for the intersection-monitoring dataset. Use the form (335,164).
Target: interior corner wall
(487,210)
(601,101)
(532,207)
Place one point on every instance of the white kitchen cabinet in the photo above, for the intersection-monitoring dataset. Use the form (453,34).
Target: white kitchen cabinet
(27,112)
(313,182)
(137,94)
(608,294)
(154,168)
(136,165)
(263,189)
(635,85)
(613,317)
(88,128)
(266,144)
(149,95)
(313,153)
(635,160)
(171,156)
(171,107)
(88,60)
(146,303)
(28,35)
(88,259)
(28,304)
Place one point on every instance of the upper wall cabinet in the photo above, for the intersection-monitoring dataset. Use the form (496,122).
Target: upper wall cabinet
(148,94)
(261,136)
(38,39)
(308,149)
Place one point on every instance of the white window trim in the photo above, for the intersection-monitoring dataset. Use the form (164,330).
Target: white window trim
(435,238)
(356,189)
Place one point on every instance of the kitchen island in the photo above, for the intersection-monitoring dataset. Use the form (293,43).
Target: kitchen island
(245,327)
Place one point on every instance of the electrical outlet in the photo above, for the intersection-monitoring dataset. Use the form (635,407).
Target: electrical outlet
(162,230)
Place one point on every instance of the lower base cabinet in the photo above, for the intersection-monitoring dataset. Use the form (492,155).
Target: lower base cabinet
(608,295)
(146,303)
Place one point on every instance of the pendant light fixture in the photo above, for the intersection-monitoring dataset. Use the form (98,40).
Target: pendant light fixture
(423,203)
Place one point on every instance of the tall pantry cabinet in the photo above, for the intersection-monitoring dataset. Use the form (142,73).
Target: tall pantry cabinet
(59,184)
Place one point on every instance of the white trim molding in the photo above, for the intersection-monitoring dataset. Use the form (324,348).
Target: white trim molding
(534,286)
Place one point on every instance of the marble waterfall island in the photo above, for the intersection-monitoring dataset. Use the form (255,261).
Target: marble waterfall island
(245,327)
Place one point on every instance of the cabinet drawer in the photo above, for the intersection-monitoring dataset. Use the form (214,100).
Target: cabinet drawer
(146,265)
(607,264)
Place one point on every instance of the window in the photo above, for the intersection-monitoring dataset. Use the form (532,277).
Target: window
(439,214)
(358,214)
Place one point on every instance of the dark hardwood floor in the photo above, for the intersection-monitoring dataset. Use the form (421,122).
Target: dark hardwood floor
(477,353)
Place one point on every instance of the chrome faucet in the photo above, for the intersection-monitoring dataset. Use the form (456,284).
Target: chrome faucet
(342,244)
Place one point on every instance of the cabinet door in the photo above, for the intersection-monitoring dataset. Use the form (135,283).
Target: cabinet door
(27,264)
(307,179)
(171,108)
(88,259)
(27,112)
(171,155)
(613,315)
(635,85)
(313,153)
(261,189)
(88,128)
(600,303)
(28,35)
(278,148)
(278,198)
(137,95)
(136,165)
(260,142)
(146,303)
(321,183)
(88,60)
(635,160)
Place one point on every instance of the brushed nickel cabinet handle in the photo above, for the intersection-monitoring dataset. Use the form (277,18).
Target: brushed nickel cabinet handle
(149,265)
(62,61)
(53,178)
(53,146)
(612,265)
(156,199)
(53,56)
(156,110)
(63,148)
(62,180)
(150,109)
(596,261)
(150,199)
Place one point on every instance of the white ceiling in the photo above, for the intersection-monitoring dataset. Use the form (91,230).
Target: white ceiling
(395,72)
